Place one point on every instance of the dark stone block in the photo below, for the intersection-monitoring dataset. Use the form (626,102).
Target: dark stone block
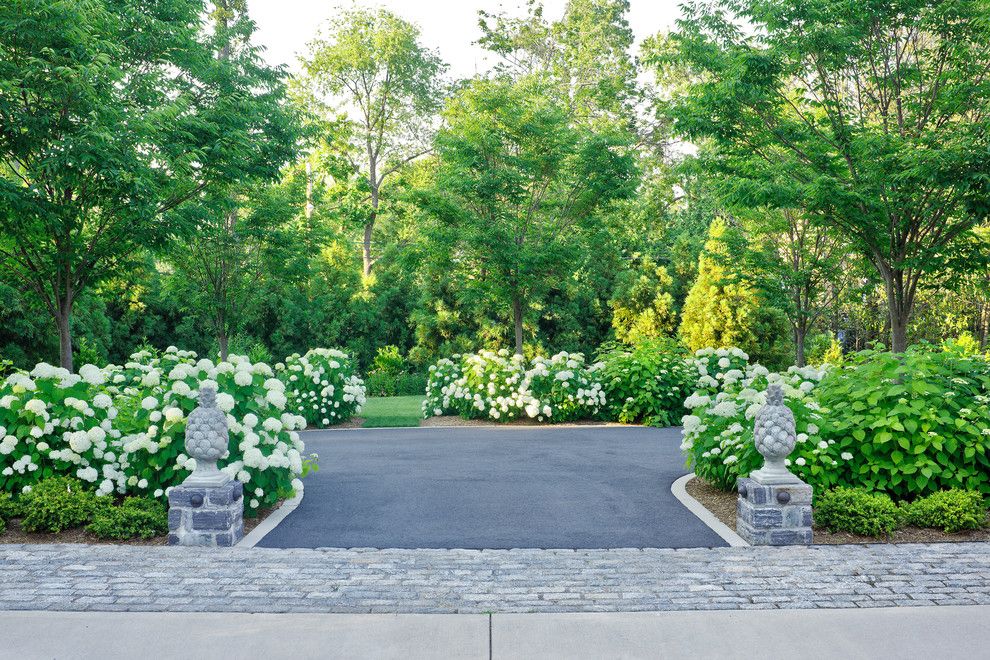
(211,520)
(173,539)
(763,518)
(226,494)
(790,537)
(225,540)
(174,519)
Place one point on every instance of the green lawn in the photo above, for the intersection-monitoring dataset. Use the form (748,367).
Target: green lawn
(391,411)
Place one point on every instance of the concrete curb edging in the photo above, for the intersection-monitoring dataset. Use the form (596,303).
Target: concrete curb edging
(679,490)
(271,522)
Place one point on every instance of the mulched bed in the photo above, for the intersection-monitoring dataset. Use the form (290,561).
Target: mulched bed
(14,534)
(723,506)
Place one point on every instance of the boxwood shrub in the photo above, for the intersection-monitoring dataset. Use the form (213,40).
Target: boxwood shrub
(856,510)
(950,510)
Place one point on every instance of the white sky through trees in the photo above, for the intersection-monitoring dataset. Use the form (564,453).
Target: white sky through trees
(450,26)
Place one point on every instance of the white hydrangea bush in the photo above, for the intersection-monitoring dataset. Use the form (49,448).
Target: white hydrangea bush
(502,387)
(322,386)
(133,418)
(718,432)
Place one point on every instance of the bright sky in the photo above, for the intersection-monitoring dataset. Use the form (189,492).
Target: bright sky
(451,26)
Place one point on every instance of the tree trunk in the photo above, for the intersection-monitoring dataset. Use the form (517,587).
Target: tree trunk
(517,321)
(900,301)
(223,341)
(898,333)
(64,322)
(799,336)
(366,248)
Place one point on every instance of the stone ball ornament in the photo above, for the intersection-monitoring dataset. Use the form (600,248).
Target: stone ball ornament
(774,436)
(207,439)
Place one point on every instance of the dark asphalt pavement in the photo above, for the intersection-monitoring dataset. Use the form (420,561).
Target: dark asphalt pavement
(546,487)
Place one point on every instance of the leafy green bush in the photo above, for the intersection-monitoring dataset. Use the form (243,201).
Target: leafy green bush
(951,510)
(323,386)
(9,507)
(856,510)
(410,384)
(911,423)
(647,383)
(388,360)
(380,384)
(134,517)
(58,503)
(502,387)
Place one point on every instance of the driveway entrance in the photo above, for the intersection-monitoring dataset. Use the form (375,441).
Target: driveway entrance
(479,487)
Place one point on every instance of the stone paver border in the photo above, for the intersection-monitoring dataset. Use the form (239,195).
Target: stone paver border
(131,578)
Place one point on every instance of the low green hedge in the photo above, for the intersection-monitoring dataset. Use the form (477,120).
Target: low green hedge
(60,503)
(858,511)
(387,384)
(951,510)
(861,511)
(135,517)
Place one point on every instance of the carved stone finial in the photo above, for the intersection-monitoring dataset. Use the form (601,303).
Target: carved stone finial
(207,438)
(774,436)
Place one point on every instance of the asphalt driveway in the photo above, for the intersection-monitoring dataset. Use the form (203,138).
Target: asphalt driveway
(470,487)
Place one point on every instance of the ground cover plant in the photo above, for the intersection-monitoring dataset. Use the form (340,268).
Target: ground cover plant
(322,386)
(502,387)
(120,429)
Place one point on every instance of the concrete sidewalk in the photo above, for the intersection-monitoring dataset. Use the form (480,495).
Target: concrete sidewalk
(943,632)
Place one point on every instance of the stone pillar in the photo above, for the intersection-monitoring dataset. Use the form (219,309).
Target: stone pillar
(208,508)
(206,515)
(774,514)
(774,505)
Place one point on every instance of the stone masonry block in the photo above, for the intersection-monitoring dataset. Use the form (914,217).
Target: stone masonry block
(774,514)
(197,517)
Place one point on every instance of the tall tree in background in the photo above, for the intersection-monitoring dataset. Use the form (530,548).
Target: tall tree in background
(223,260)
(372,67)
(584,57)
(726,307)
(112,114)
(802,260)
(516,185)
(869,115)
